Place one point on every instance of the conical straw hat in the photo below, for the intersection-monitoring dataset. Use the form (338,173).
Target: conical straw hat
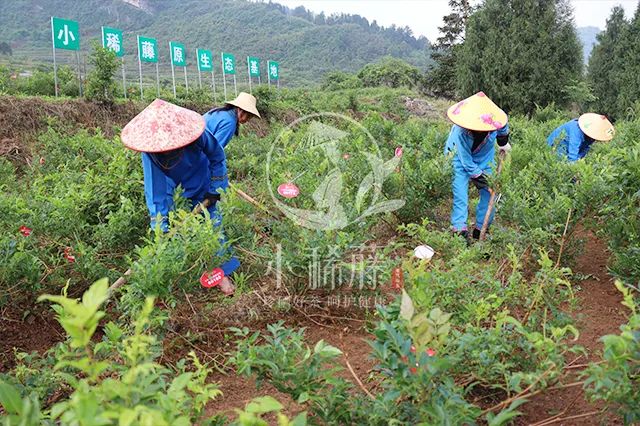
(245,102)
(596,126)
(162,126)
(478,113)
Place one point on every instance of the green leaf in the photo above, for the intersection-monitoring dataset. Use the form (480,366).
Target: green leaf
(10,399)
(180,382)
(263,404)
(406,307)
(127,417)
(507,414)
(304,397)
(96,295)
(326,350)
(299,420)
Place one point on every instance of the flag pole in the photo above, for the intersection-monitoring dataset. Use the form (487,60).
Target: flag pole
(139,65)
(199,73)
(173,73)
(249,75)
(224,79)
(55,67)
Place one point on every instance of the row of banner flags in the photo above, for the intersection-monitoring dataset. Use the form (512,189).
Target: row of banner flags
(65,34)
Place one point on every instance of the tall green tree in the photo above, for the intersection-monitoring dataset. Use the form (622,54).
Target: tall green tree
(606,64)
(629,89)
(522,53)
(442,78)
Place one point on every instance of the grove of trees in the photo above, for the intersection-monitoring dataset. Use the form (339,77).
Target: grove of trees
(614,66)
(522,53)
(526,53)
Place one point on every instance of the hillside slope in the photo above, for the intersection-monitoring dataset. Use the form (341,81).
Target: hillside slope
(306,45)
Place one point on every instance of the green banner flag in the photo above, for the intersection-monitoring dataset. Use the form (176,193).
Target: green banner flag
(228,63)
(147,49)
(205,60)
(254,66)
(112,40)
(65,34)
(178,54)
(274,70)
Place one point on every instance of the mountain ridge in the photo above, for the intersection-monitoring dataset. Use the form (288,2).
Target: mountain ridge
(307,45)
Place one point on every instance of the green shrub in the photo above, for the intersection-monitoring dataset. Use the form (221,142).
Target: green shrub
(100,84)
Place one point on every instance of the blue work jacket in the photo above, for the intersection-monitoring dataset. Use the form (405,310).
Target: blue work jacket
(478,161)
(200,167)
(570,140)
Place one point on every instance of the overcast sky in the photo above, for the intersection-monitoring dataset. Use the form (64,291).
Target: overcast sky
(424,16)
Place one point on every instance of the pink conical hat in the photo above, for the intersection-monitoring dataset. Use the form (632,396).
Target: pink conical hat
(162,126)
(478,113)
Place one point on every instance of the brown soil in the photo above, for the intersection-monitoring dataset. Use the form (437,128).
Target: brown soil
(206,332)
(600,313)
(238,391)
(342,327)
(37,331)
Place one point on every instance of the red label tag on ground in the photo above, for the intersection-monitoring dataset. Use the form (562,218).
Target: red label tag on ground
(288,190)
(212,279)
(397,279)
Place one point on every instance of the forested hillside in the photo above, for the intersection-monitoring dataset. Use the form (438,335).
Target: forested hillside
(307,45)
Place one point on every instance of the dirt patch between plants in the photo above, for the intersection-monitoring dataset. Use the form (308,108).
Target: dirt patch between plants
(599,313)
(195,327)
(37,331)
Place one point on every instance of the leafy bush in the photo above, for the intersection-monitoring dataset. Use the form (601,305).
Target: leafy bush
(339,80)
(391,72)
(100,84)
(616,378)
(116,379)
(309,376)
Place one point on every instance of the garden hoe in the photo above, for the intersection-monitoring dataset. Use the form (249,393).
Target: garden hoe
(492,201)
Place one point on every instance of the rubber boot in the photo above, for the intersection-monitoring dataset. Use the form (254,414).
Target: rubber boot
(463,234)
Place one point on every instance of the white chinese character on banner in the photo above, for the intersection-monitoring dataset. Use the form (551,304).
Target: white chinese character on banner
(177,54)
(254,67)
(113,42)
(273,70)
(67,33)
(148,50)
(228,64)
(204,60)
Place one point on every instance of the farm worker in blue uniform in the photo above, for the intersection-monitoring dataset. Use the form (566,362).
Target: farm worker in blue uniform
(181,147)
(573,139)
(478,125)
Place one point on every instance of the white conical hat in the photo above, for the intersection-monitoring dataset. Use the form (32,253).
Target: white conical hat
(596,126)
(162,126)
(245,102)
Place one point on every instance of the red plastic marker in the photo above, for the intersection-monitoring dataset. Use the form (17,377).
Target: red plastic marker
(212,279)
(288,190)
(398,152)
(25,231)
